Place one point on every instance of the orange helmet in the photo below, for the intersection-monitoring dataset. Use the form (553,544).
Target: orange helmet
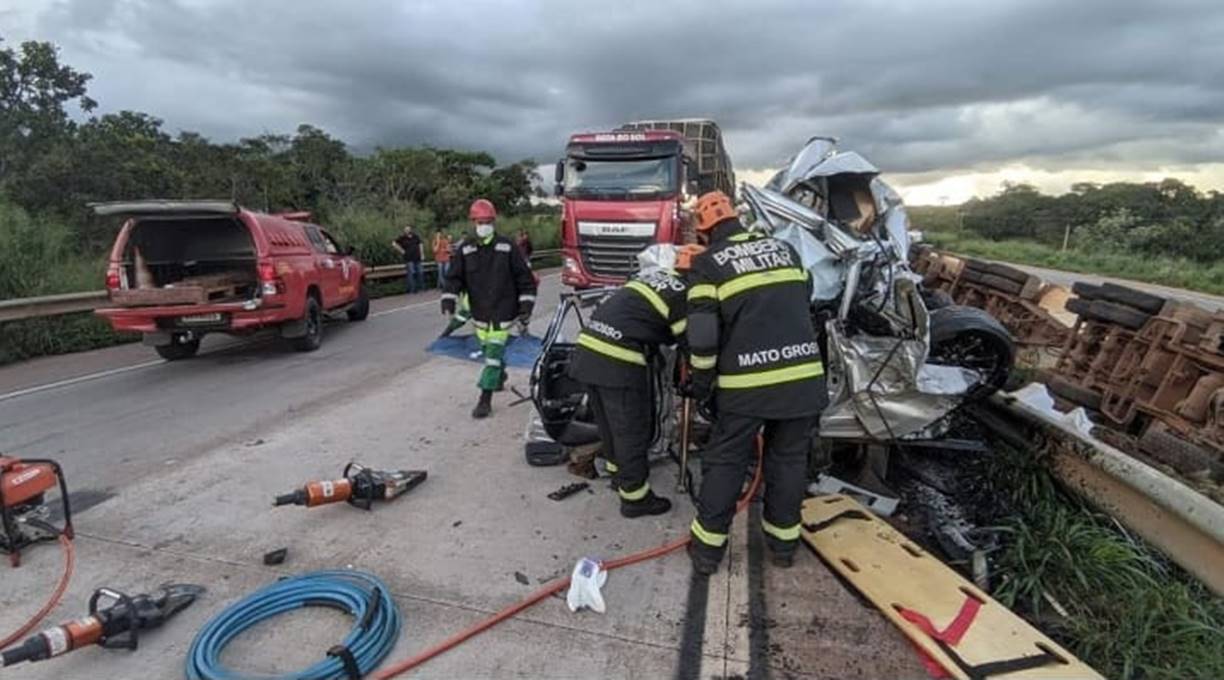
(685,255)
(712,208)
(482,210)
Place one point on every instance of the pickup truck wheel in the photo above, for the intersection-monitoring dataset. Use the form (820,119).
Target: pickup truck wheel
(970,338)
(360,308)
(314,327)
(178,350)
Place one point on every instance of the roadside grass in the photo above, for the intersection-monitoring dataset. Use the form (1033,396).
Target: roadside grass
(1165,271)
(1125,609)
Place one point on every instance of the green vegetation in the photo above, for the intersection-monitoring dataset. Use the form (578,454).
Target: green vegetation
(52,165)
(1111,599)
(1167,271)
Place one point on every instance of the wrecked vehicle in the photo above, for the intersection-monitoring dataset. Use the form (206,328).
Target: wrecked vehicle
(898,359)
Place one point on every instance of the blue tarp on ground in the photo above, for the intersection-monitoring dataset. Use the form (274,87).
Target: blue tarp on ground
(521,351)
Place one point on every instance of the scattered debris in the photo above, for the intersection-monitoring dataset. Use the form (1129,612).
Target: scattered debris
(585,584)
(568,490)
(456,524)
(275,557)
(522,578)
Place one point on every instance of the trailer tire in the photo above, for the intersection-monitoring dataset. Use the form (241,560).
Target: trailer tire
(971,275)
(1075,393)
(1008,272)
(177,351)
(976,265)
(971,338)
(1088,291)
(1137,299)
(313,318)
(1079,306)
(1183,456)
(1001,283)
(1125,317)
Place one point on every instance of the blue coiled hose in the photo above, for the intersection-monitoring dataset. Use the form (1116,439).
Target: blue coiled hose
(362,595)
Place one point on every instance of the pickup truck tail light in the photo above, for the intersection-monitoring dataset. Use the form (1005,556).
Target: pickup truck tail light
(270,283)
(114,277)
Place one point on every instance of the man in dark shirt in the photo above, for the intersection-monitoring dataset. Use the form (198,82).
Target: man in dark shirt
(409,245)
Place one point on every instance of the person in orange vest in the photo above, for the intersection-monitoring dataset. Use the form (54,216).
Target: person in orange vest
(442,255)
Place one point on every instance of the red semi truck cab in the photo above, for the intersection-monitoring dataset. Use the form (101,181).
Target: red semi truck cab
(623,191)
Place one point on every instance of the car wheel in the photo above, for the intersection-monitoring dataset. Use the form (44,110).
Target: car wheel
(970,338)
(314,327)
(178,350)
(360,309)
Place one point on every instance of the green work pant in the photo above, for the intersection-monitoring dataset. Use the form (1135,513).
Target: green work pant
(493,339)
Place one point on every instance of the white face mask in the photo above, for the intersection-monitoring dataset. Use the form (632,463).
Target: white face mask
(484,230)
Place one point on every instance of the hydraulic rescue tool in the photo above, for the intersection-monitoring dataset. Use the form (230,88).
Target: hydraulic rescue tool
(23,513)
(114,622)
(360,486)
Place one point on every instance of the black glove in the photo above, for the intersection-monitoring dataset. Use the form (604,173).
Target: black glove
(700,386)
(448,305)
(524,310)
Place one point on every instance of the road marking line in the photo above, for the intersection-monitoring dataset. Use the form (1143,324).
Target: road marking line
(80,379)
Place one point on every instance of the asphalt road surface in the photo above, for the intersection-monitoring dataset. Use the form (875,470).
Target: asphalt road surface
(113,416)
(1065,279)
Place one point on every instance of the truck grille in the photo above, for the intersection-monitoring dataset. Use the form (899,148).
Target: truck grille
(614,256)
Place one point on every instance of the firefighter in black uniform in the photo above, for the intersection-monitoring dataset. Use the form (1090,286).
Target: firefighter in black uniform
(491,270)
(614,350)
(757,365)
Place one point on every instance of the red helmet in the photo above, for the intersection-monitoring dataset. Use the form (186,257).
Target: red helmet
(482,210)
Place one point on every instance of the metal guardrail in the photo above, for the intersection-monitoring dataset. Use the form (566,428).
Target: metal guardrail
(19,309)
(1185,525)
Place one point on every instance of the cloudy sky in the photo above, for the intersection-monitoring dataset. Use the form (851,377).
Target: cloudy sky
(950,98)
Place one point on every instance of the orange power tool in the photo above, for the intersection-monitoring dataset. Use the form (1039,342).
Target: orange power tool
(23,513)
(114,621)
(360,486)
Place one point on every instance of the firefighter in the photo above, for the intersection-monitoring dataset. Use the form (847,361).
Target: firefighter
(491,272)
(757,367)
(614,351)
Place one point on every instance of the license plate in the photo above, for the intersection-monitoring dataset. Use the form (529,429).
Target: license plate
(201,318)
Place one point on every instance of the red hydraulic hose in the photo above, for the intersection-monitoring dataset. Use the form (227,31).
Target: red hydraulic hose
(53,601)
(551,589)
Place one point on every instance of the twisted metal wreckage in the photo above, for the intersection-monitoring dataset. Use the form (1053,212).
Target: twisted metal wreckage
(899,359)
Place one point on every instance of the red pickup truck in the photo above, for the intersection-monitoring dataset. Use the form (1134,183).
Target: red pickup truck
(182,269)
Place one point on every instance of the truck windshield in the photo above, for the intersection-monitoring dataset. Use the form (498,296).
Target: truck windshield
(612,179)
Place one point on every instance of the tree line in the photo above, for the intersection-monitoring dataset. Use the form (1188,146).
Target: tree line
(1166,218)
(57,155)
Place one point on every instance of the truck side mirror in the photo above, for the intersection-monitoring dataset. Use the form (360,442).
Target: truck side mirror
(559,172)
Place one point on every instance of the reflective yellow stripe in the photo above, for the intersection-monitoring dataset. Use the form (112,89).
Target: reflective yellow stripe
(611,467)
(679,327)
(708,537)
(702,362)
(766,278)
(741,237)
(788,534)
(637,495)
(813,369)
(651,296)
(703,290)
(608,349)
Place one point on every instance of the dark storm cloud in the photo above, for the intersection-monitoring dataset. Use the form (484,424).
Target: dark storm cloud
(917,86)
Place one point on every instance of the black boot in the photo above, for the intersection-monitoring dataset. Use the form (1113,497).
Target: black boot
(705,558)
(781,553)
(485,406)
(650,504)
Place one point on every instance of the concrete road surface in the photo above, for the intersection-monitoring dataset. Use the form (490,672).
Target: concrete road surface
(173,467)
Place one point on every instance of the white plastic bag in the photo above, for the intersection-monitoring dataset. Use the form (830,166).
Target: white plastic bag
(585,583)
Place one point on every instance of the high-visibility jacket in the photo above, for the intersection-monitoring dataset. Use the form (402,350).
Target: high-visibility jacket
(627,327)
(495,276)
(750,326)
